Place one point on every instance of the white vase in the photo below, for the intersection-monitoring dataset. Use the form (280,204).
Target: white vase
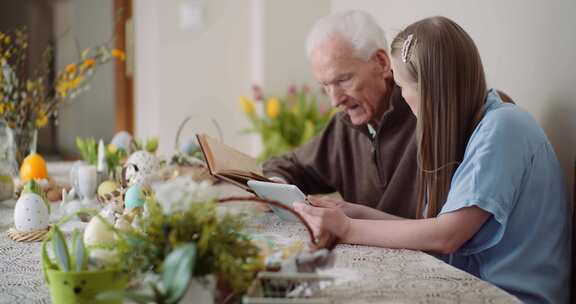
(200,291)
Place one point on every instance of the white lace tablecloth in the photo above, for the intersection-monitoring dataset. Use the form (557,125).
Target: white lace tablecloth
(363,274)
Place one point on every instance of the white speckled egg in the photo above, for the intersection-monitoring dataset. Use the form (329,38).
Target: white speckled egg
(31,213)
(142,168)
(98,233)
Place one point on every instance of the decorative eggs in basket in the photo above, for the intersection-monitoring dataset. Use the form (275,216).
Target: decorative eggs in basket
(142,169)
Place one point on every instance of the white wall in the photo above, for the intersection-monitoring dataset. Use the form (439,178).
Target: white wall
(183,72)
(528,48)
(285,29)
(180,72)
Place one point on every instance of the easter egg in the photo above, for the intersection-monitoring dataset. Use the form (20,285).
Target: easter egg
(142,168)
(31,213)
(134,197)
(107,187)
(97,232)
(188,146)
(121,140)
(33,167)
(122,225)
(104,256)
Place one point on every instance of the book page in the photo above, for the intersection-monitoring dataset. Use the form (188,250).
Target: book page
(222,158)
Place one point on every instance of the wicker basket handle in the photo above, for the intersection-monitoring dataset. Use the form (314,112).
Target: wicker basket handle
(183,124)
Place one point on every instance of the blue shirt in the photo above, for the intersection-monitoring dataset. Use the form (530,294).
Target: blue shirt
(510,170)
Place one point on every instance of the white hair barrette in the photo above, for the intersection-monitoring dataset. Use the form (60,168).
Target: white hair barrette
(406,47)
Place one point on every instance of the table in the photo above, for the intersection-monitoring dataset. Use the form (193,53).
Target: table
(364,274)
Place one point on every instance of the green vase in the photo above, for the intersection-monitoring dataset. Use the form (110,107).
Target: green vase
(83,287)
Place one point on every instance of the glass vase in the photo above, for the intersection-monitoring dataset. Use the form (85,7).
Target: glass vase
(15,145)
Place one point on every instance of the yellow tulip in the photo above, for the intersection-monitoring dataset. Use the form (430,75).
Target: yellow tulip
(273,107)
(2,108)
(248,105)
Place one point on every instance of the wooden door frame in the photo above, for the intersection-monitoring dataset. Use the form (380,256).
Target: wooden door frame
(124,81)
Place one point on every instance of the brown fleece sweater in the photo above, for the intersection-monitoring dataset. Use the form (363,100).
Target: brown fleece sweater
(379,173)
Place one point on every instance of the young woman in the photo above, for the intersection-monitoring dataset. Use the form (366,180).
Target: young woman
(491,193)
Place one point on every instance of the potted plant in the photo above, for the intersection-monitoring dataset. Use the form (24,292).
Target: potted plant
(72,277)
(287,122)
(28,100)
(185,248)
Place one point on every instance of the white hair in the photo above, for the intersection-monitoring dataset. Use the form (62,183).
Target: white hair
(357,27)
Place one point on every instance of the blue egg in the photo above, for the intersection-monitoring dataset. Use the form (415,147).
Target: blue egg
(188,146)
(134,197)
(121,140)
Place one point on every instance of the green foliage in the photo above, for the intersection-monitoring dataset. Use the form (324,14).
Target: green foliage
(178,270)
(33,187)
(220,247)
(149,145)
(73,255)
(176,275)
(288,122)
(88,148)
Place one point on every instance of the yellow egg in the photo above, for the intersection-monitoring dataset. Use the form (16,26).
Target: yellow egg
(107,187)
(33,167)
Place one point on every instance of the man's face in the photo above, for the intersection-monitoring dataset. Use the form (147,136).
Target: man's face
(353,84)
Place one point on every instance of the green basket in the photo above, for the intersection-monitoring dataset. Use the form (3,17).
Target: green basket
(83,287)
(80,287)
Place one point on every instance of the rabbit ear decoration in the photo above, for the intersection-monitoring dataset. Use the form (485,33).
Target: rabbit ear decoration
(406,47)
(68,196)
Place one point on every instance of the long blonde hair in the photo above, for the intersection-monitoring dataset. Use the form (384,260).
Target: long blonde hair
(446,65)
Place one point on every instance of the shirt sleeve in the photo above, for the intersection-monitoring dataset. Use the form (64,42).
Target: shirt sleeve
(491,176)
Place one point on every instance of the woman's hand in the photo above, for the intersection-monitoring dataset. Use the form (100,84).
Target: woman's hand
(325,216)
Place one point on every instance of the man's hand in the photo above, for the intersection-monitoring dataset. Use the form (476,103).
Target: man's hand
(329,202)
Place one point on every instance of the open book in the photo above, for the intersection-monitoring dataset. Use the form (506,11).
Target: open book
(228,164)
(235,167)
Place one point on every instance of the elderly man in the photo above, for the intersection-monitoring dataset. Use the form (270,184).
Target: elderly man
(367,152)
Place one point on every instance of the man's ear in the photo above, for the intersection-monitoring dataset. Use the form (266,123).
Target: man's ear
(381,57)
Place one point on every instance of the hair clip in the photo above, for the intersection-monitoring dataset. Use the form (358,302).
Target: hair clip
(406,47)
